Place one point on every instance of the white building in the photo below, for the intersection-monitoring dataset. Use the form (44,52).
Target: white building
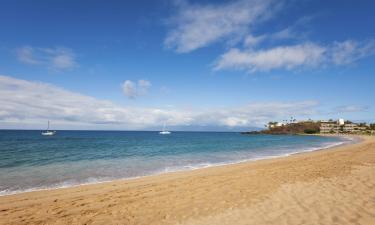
(278,124)
(340,126)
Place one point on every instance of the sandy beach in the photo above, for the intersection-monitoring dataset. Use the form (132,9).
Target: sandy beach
(333,186)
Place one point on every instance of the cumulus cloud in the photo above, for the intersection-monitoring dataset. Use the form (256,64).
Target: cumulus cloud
(53,58)
(196,26)
(133,90)
(28,102)
(294,56)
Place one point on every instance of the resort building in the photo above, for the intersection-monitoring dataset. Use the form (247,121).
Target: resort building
(329,127)
(350,127)
(275,124)
(340,126)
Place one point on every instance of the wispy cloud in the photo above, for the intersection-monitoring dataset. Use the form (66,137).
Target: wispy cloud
(295,56)
(292,32)
(196,26)
(26,55)
(287,33)
(53,58)
(350,51)
(295,31)
(284,57)
(132,89)
(351,108)
(28,102)
(251,41)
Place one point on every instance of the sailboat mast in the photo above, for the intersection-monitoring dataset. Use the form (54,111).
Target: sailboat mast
(48,125)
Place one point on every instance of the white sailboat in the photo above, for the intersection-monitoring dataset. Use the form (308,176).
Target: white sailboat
(48,132)
(164,131)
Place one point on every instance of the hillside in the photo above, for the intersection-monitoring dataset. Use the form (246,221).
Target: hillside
(292,128)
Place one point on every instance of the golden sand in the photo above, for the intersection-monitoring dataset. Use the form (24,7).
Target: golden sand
(335,186)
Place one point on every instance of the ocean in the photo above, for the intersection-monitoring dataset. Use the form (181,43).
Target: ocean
(30,161)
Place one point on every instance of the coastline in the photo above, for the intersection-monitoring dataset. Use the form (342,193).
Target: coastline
(352,139)
(202,196)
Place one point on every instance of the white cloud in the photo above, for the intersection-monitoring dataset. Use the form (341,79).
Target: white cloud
(26,55)
(27,102)
(351,108)
(295,31)
(63,61)
(294,56)
(197,26)
(133,90)
(129,89)
(53,58)
(144,84)
(284,57)
(350,51)
(251,41)
(287,33)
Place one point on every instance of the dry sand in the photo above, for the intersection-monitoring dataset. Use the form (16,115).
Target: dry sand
(335,186)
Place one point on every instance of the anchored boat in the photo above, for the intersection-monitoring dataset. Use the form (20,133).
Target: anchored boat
(164,131)
(48,132)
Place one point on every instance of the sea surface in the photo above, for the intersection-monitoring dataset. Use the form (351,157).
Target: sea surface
(30,161)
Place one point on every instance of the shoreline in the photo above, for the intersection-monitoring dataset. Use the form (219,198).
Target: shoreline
(332,186)
(352,140)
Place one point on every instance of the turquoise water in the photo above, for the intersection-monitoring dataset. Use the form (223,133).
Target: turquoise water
(30,161)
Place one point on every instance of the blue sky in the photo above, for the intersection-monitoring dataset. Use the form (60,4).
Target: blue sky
(196,65)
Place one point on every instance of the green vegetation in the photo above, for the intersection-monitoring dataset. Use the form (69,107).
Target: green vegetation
(311,131)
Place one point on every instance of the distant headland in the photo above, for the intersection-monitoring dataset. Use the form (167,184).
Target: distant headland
(330,126)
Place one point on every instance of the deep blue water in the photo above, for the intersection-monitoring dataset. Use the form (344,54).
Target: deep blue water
(30,161)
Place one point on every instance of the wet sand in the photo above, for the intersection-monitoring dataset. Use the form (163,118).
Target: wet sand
(333,186)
